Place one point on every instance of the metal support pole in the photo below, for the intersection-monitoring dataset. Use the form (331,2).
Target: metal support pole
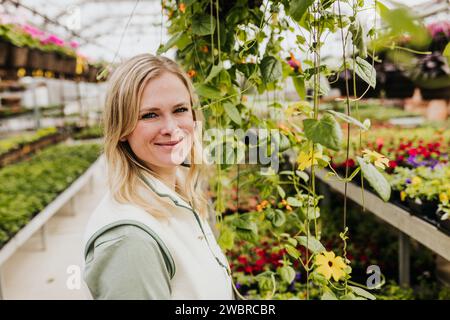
(404,254)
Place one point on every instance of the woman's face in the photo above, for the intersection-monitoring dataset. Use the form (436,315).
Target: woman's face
(164,132)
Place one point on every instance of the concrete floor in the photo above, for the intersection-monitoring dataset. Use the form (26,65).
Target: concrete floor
(54,273)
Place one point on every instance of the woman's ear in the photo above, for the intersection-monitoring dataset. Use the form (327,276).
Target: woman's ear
(123,139)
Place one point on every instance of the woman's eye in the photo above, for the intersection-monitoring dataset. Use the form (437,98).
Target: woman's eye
(149,115)
(182,109)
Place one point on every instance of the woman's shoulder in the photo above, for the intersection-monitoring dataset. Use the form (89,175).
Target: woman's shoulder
(126,262)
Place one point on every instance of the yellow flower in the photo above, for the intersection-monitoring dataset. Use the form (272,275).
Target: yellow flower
(443,198)
(376,158)
(403,195)
(21,72)
(304,160)
(416,180)
(330,266)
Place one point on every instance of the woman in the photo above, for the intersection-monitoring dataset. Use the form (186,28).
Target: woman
(148,238)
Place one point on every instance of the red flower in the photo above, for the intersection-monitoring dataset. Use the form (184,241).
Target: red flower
(248,269)
(349,163)
(412,152)
(392,164)
(260,262)
(242,259)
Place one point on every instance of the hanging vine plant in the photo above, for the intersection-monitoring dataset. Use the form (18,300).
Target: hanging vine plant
(233,49)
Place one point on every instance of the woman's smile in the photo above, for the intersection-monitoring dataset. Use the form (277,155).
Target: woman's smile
(170,145)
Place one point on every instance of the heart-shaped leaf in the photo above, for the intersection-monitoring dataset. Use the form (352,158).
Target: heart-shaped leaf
(298,8)
(271,69)
(232,112)
(312,244)
(287,273)
(375,179)
(348,119)
(365,71)
(203,25)
(325,131)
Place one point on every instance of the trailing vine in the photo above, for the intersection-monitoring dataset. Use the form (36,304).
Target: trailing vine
(235,49)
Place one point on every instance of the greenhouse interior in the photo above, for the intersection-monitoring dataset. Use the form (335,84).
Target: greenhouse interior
(324,135)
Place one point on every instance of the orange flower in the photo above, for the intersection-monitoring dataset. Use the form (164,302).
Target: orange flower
(289,208)
(204,49)
(191,73)
(182,7)
(259,208)
(244,98)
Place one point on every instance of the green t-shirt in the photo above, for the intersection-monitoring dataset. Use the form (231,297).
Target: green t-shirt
(125,262)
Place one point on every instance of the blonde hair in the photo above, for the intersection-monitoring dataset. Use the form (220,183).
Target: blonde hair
(121,114)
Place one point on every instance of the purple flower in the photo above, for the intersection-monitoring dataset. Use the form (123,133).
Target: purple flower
(408,180)
(238,285)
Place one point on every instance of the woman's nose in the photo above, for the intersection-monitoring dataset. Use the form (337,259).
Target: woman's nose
(169,125)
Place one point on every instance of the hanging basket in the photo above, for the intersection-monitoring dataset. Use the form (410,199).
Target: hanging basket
(35,59)
(398,86)
(18,57)
(4,49)
(60,64)
(49,61)
(70,66)
(92,76)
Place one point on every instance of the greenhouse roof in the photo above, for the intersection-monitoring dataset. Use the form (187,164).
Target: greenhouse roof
(108,29)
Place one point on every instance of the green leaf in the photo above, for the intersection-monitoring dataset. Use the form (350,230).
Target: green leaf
(226,238)
(278,218)
(177,38)
(299,84)
(365,71)
(358,38)
(294,202)
(375,179)
(446,52)
(232,112)
(215,70)
(271,69)
(328,294)
(363,293)
(325,131)
(348,119)
(207,91)
(293,252)
(281,192)
(287,274)
(203,25)
(303,175)
(313,244)
(298,8)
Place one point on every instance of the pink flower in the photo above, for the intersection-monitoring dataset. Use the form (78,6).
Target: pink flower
(73,44)
(436,28)
(53,39)
(33,31)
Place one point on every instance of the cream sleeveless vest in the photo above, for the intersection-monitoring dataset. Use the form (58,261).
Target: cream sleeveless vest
(198,268)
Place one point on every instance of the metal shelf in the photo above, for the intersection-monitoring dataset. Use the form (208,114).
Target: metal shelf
(414,227)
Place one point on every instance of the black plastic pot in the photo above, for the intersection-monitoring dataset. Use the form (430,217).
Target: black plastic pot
(425,211)
(443,225)
(398,86)
(432,94)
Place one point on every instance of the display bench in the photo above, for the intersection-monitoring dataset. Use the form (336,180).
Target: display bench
(409,226)
(38,223)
